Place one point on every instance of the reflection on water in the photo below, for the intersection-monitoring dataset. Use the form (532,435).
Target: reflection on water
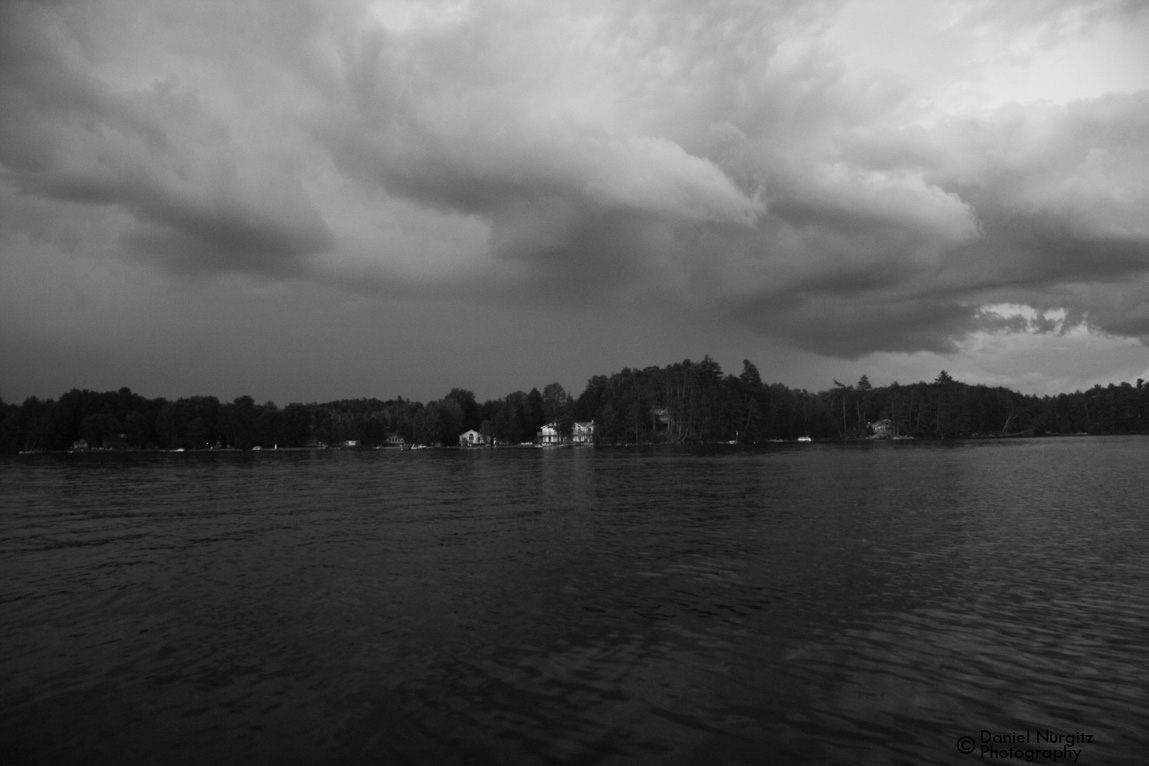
(822,604)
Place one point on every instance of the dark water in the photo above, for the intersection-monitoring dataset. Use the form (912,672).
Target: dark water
(867,604)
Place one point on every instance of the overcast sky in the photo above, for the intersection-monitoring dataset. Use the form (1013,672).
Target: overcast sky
(304,200)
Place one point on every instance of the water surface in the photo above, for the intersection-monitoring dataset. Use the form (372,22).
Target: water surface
(859,604)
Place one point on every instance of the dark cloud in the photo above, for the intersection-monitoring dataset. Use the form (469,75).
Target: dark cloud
(852,329)
(157,154)
(724,157)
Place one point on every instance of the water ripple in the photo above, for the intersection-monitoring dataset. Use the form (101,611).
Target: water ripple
(860,605)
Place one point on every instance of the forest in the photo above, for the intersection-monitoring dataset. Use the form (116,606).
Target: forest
(687,402)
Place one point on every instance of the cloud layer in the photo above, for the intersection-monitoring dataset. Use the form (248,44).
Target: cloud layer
(734,158)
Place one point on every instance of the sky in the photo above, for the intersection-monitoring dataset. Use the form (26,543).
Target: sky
(307,200)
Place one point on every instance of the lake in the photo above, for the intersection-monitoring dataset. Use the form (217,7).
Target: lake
(856,604)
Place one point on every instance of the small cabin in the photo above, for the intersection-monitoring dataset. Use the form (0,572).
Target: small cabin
(882,429)
(471,438)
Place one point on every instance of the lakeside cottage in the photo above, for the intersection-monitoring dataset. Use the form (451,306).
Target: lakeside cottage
(581,434)
(550,435)
(882,429)
(471,438)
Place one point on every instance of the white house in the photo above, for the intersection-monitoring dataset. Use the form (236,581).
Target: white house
(550,435)
(582,433)
(471,438)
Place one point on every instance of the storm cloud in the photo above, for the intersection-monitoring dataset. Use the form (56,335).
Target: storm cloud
(734,159)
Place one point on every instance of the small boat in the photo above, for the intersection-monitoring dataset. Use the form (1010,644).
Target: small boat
(804,439)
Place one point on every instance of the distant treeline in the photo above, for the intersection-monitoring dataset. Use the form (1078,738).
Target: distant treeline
(684,402)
